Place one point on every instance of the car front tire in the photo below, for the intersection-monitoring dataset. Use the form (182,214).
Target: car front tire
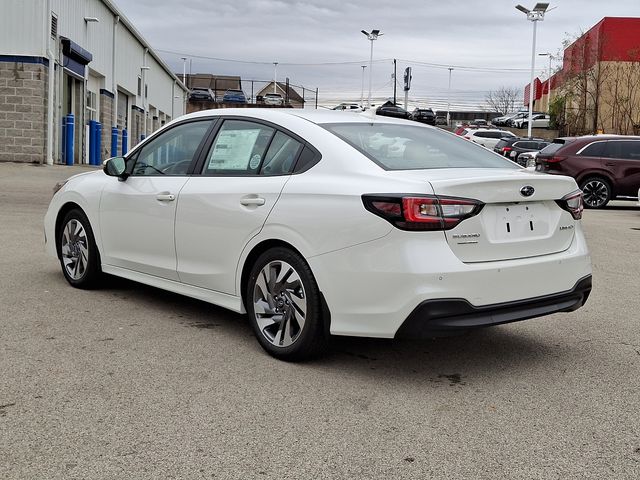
(284,306)
(79,256)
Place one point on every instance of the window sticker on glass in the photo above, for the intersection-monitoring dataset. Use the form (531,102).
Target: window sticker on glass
(233,149)
(255,162)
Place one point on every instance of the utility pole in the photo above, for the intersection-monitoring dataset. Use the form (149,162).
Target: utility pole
(449,99)
(362,90)
(395,82)
(275,75)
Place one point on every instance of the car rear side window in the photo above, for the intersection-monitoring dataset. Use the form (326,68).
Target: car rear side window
(281,155)
(407,147)
(595,149)
(630,150)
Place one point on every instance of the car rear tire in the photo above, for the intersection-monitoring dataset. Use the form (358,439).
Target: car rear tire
(79,256)
(284,306)
(596,192)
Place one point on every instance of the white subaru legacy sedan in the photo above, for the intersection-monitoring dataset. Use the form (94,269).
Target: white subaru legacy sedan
(309,222)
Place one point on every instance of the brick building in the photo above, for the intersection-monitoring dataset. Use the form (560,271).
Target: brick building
(82,58)
(598,87)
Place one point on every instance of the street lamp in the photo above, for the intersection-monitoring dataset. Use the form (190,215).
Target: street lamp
(449,99)
(371,37)
(535,15)
(275,75)
(362,89)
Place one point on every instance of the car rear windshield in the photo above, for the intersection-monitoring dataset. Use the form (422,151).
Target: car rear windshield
(553,147)
(407,147)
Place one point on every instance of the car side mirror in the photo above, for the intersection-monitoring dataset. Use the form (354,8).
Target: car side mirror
(115,167)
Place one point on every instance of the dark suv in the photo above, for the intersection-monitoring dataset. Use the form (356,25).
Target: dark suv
(605,166)
(424,115)
(513,147)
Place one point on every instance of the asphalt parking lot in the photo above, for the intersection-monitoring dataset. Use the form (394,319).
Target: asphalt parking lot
(132,382)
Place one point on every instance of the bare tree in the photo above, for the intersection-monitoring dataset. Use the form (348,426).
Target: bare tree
(503,100)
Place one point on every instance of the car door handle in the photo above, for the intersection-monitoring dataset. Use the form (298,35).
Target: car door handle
(165,197)
(252,201)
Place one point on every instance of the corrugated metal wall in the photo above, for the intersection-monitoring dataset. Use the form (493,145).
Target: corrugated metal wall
(22,25)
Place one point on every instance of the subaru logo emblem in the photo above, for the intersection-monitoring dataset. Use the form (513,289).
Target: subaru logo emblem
(527,191)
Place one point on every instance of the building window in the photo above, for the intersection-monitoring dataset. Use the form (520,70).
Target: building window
(92,106)
(139,86)
(146,91)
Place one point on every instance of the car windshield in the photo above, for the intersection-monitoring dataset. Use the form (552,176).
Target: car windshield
(407,147)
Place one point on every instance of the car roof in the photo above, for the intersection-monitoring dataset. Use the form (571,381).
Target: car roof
(319,116)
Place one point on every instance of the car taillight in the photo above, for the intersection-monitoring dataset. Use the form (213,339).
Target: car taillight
(426,212)
(555,159)
(573,204)
(506,149)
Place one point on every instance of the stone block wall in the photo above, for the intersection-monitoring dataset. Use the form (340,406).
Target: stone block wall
(137,124)
(23,111)
(106,119)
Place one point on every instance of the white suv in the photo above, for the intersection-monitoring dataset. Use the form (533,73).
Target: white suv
(539,121)
(487,137)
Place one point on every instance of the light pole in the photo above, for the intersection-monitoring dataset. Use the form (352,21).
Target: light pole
(362,89)
(184,70)
(536,15)
(371,37)
(449,99)
(275,75)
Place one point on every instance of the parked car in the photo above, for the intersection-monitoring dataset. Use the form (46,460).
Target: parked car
(519,116)
(502,121)
(202,94)
(273,99)
(257,211)
(424,115)
(539,120)
(528,159)
(392,111)
(487,137)
(605,166)
(440,120)
(348,107)
(235,96)
(480,122)
(513,147)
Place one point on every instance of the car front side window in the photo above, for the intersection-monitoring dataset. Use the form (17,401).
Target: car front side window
(171,152)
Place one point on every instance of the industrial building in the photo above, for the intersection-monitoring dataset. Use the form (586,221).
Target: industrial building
(597,90)
(78,82)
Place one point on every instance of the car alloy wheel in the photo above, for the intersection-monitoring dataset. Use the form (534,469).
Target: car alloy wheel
(79,257)
(74,249)
(596,193)
(280,303)
(283,303)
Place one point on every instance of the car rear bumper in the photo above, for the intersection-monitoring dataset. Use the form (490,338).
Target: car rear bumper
(372,288)
(446,316)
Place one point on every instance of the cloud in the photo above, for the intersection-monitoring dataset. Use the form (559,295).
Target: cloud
(486,34)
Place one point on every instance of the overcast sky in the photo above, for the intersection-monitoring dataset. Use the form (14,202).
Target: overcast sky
(318,44)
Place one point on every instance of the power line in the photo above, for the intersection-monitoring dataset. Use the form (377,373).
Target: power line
(354,62)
